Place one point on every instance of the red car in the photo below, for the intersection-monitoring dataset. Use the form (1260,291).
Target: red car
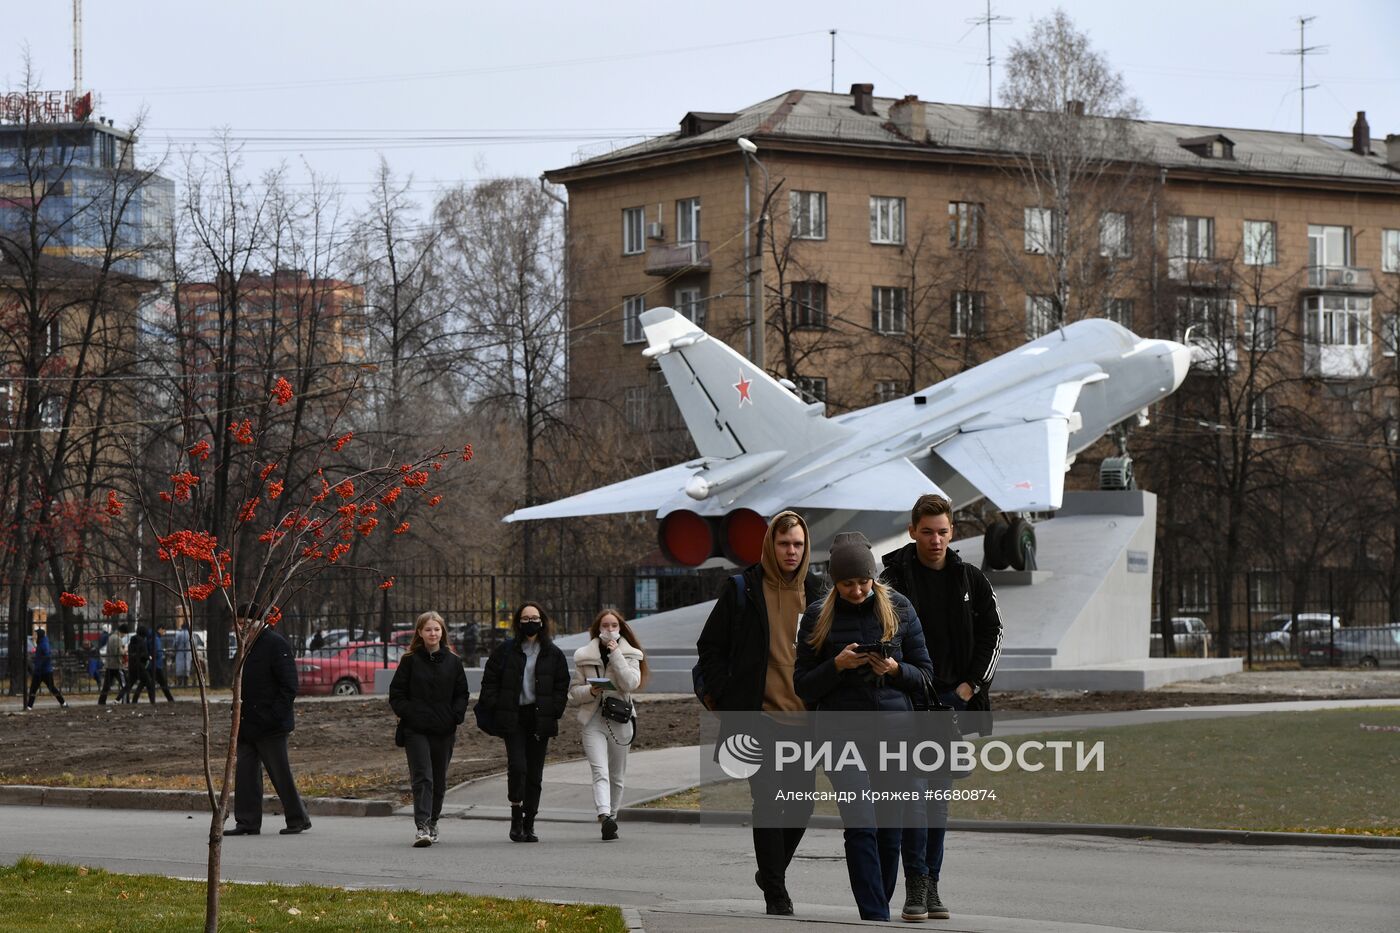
(345,671)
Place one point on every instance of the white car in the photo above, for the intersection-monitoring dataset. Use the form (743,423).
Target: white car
(1189,637)
(1277,631)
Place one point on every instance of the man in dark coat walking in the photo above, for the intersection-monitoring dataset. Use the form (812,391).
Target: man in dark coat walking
(138,668)
(265,721)
(958,610)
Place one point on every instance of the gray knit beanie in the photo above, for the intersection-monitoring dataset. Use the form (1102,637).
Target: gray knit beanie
(851,558)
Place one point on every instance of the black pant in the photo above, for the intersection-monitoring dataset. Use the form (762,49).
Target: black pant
(525,753)
(159,674)
(111,676)
(783,823)
(254,755)
(34,681)
(138,679)
(428,757)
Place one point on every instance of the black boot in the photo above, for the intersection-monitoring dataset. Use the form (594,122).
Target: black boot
(936,910)
(517,820)
(527,829)
(916,892)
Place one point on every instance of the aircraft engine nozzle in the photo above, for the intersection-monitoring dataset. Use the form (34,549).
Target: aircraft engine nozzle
(687,538)
(741,534)
(740,469)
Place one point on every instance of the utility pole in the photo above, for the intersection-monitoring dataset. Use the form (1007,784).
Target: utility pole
(989,20)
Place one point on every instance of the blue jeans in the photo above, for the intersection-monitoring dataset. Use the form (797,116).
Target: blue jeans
(872,853)
(922,841)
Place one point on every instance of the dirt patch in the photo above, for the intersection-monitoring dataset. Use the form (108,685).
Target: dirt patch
(345,747)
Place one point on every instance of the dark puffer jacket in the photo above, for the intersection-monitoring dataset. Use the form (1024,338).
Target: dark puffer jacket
(43,657)
(269,688)
(823,686)
(500,686)
(429,692)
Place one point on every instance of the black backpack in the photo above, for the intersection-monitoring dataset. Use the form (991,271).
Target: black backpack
(697,680)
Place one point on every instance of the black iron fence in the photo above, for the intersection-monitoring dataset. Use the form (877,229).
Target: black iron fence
(345,625)
(1324,618)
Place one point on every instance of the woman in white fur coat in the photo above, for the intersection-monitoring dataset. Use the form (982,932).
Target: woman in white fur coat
(612,653)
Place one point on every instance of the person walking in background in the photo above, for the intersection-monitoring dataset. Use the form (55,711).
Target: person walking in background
(606,710)
(429,695)
(138,670)
(957,608)
(43,671)
(525,687)
(746,653)
(265,721)
(157,636)
(839,669)
(112,665)
(183,649)
(318,641)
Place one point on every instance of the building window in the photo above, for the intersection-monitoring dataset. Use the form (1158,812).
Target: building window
(1040,315)
(1260,327)
(1259,415)
(634,407)
(633,231)
(887,309)
(1392,421)
(688,220)
(55,337)
(1390,334)
(1260,239)
(689,303)
(1188,238)
(1115,240)
(1390,250)
(887,220)
(809,305)
(1119,311)
(51,412)
(1193,592)
(887,390)
(1337,320)
(808,215)
(1042,231)
(964,224)
(1329,246)
(1266,590)
(969,315)
(811,388)
(632,308)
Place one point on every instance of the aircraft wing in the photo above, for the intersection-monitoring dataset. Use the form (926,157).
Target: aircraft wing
(639,494)
(1017,460)
(887,487)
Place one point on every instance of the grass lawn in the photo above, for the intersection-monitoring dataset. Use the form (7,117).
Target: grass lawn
(360,785)
(1302,772)
(63,898)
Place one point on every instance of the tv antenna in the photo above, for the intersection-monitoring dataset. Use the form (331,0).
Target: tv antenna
(989,20)
(77,49)
(1303,51)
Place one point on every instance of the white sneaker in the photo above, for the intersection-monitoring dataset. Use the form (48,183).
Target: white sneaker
(423,839)
(432,832)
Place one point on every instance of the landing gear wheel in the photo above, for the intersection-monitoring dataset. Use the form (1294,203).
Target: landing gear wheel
(992,557)
(1018,545)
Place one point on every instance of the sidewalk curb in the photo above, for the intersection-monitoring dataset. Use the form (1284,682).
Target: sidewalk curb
(115,798)
(632,916)
(1121,831)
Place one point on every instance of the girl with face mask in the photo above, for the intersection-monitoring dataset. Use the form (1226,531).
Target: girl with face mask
(525,686)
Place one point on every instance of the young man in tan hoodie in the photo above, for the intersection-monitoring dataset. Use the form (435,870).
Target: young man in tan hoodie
(746,654)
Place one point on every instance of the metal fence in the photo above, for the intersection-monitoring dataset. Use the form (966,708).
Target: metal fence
(1325,618)
(361,625)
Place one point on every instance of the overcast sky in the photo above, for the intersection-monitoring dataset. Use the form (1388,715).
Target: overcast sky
(457,90)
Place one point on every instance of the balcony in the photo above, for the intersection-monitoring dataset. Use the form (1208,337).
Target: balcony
(676,258)
(1332,361)
(1345,279)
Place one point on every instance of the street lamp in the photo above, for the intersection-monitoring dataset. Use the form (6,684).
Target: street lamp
(755,324)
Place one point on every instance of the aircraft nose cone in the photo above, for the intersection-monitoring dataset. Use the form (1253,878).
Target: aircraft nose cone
(1181,362)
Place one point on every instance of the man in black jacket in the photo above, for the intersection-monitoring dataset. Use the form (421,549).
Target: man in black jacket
(266,718)
(746,653)
(138,671)
(958,610)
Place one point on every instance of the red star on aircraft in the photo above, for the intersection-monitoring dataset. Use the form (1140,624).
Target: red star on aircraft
(743,386)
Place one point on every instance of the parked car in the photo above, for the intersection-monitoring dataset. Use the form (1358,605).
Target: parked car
(1277,630)
(1353,647)
(347,670)
(1189,636)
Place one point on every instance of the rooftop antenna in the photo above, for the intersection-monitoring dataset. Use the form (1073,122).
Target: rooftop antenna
(989,20)
(77,49)
(833,61)
(1303,51)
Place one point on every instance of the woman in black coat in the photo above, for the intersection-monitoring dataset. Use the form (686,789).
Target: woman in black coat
(524,689)
(429,694)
